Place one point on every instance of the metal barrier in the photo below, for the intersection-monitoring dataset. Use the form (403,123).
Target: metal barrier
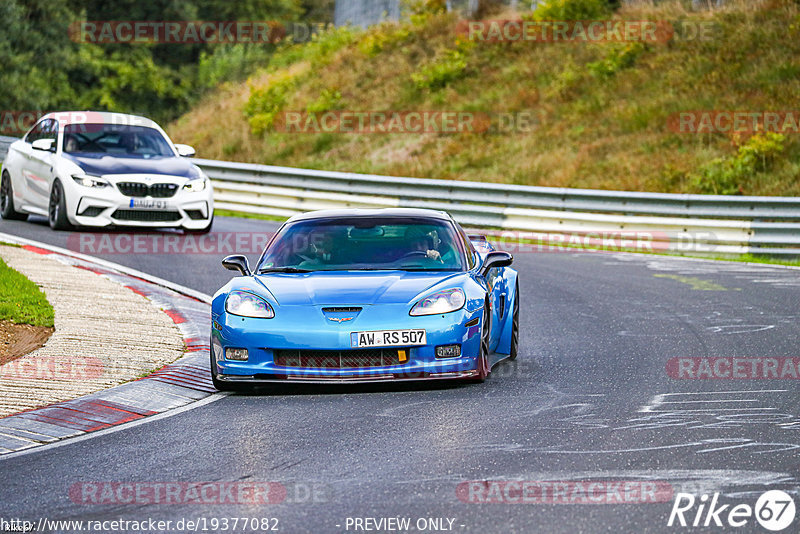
(704,224)
(681,223)
(4,142)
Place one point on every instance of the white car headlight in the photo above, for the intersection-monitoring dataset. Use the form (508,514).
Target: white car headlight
(248,305)
(196,185)
(87,180)
(445,301)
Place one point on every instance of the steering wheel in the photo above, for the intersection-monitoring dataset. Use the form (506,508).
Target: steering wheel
(412,254)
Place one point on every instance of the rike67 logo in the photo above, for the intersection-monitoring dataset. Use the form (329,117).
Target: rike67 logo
(774,511)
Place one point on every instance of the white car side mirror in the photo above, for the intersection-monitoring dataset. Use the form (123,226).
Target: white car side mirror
(46,145)
(185,150)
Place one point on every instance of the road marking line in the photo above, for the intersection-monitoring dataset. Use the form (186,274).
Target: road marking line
(111,430)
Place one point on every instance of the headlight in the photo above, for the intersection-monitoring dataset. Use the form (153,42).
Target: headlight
(445,301)
(248,305)
(87,180)
(196,185)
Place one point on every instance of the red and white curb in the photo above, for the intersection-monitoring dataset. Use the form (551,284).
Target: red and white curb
(175,385)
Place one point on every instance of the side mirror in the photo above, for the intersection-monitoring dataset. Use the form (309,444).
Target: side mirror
(45,145)
(185,150)
(496,259)
(237,263)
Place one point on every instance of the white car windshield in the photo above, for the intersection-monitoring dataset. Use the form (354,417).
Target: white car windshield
(115,140)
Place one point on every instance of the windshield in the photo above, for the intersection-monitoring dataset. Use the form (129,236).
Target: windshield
(116,140)
(361,243)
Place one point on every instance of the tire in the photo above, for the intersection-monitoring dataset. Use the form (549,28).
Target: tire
(57,208)
(201,231)
(515,327)
(7,210)
(483,358)
(220,385)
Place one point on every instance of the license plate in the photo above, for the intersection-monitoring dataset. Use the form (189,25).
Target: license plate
(148,204)
(387,338)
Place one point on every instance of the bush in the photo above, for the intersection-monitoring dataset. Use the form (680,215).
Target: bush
(265,103)
(382,37)
(572,10)
(728,176)
(230,63)
(327,100)
(617,58)
(446,67)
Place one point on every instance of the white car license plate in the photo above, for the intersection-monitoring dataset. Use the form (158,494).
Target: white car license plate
(387,338)
(148,204)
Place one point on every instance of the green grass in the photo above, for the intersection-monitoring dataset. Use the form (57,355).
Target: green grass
(752,258)
(21,301)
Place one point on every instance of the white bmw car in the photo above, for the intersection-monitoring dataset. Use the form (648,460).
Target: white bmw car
(91,169)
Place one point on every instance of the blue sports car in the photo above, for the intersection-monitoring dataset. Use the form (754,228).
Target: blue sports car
(366,295)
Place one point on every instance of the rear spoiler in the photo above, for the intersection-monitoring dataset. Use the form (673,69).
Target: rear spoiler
(480,243)
(477,238)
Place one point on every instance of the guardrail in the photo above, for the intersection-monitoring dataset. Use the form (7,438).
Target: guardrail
(681,223)
(4,142)
(703,224)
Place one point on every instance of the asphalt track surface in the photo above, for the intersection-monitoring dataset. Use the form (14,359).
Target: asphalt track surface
(589,399)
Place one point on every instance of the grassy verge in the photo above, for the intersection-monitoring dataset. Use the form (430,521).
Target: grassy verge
(21,301)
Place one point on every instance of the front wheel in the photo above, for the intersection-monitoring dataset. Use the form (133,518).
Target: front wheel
(57,208)
(219,384)
(7,210)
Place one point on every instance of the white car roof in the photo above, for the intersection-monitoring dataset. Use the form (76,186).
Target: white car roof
(100,117)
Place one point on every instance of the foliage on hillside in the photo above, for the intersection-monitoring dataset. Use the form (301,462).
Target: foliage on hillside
(602,109)
(46,69)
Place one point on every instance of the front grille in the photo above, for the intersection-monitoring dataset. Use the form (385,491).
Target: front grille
(341,310)
(146,215)
(136,189)
(336,359)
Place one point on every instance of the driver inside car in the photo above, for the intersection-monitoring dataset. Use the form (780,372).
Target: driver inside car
(320,250)
(419,240)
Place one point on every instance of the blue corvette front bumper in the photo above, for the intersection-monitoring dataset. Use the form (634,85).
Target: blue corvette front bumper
(306,330)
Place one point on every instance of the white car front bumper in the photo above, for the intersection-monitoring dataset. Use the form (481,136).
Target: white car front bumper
(109,206)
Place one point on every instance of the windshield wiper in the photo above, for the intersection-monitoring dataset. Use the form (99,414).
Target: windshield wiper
(283,270)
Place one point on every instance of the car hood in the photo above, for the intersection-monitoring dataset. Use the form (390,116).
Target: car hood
(100,164)
(350,288)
